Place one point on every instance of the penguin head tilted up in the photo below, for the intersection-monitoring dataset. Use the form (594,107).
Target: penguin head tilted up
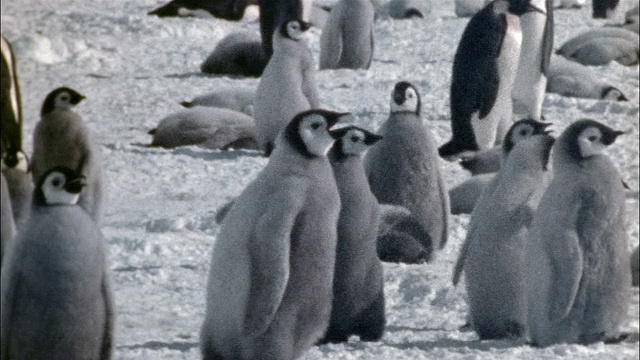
(523,129)
(308,133)
(351,141)
(405,98)
(62,98)
(583,140)
(59,186)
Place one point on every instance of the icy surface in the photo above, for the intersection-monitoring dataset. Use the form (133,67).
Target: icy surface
(135,69)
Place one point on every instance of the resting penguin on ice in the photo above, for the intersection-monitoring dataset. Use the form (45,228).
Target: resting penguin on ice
(358,294)
(207,127)
(404,169)
(287,86)
(404,9)
(239,53)
(484,68)
(600,46)
(347,37)
(62,139)
(270,284)
(56,295)
(237,98)
(577,254)
(569,78)
(224,9)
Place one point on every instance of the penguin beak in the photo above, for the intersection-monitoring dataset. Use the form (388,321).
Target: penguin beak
(543,128)
(372,139)
(74,186)
(622,98)
(610,136)
(334,118)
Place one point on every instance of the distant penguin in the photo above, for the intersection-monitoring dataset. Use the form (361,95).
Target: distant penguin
(603,9)
(56,294)
(7,224)
(600,46)
(347,37)
(468,8)
(275,12)
(571,79)
(239,54)
(358,293)
(287,86)
(400,237)
(533,67)
(11,117)
(235,98)
(224,9)
(464,196)
(270,284)
(20,186)
(404,169)
(405,9)
(495,242)
(577,257)
(207,127)
(484,68)
(62,139)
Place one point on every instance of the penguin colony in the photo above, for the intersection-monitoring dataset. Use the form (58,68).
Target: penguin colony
(297,261)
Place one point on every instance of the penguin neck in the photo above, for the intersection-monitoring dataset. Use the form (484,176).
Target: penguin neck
(285,153)
(288,48)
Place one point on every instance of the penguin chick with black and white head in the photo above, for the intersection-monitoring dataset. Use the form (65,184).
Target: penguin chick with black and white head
(287,86)
(347,37)
(56,294)
(62,139)
(493,252)
(404,169)
(577,257)
(269,292)
(358,294)
(484,68)
(15,169)
(572,79)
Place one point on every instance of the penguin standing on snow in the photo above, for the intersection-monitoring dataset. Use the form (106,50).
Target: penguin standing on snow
(56,295)
(62,139)
(347,37)
(287,86)
(404,170)
(358,294)
(533,68)
(484,68)
(577,256)
(270,283)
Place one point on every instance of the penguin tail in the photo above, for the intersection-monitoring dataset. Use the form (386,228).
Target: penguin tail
(187,104)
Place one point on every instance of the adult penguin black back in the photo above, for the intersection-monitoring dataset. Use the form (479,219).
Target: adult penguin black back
(11,105)
(603,9)
(275,12)
(484,68)
(224,9)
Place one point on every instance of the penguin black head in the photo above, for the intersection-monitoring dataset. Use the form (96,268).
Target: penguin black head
(294,29)
(413,13)
(520,7)
(308,132)
(405,98)
(612,93)
(352,140)
(16,160)
(61,98)
(521,130)
(586,138)
(59,186)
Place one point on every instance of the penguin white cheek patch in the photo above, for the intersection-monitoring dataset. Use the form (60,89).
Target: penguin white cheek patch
(318,141)
(56,196)
(590,142)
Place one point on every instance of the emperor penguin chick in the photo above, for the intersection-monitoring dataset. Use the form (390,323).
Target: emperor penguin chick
(404,170)
(56,295)
(495,241)
(484,69)
(347,37)
(270,284)
(358,294)
(577,256)
(287,86)
(62,139)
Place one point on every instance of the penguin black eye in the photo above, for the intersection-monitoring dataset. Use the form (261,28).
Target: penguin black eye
(56,182)
(524,132)
(315,126)
(354,139)
(64,97)
(593,138)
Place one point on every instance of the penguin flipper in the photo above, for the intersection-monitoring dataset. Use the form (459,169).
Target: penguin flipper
(330,44)
(566,268)
(457,269)
(106,350)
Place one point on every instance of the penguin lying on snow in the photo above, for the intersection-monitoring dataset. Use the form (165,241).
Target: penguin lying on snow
(56,295)
(577,256)
(234,98)
(404,9)
(600,46)
(400,236)
(569,78)
(270,284)
(239,53)
(224,9)
(207,127)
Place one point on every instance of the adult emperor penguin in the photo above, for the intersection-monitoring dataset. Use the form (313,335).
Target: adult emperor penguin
(20,186)
(56,295)
(533,67)
(404,170)
(603,9)
(270,282)
(358,294)
(291,70)
(62,139)
(224,9)
(11,119)
(275,12)
(347,37)
(484,68)
(577,257)
(495,241)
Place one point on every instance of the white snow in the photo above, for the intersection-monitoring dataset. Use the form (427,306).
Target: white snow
(159,222)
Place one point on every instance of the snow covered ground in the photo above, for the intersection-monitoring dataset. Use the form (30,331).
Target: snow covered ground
(135,69)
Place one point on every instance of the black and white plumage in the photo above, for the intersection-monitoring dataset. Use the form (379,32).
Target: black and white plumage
(224,9)
(577,256)
(404,169)
(11,117)
(56,295)
(270,284)
(287,86)
(358,293)
(275,12)
(404,9)
(20,187)
(602,45)
(572,79)
(602,9)
(62,139)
